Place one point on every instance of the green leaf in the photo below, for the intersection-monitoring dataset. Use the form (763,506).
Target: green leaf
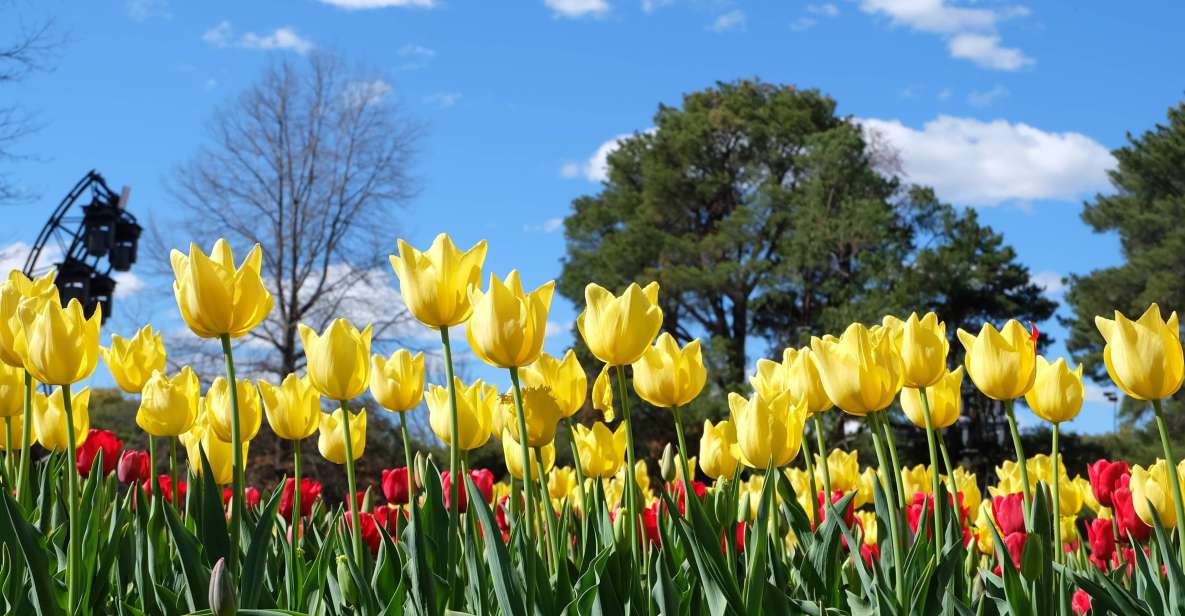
(15,530)
(497,558)
(197,578)
(252,578)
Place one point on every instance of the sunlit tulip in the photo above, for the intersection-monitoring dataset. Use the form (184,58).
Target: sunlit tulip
(564,377)
(916,479)
(668,376)
(968,485)
(860,372)
(1001,363)
(602,451)
(18,288)
(49,420)
(718,450)
(62,345)
(561,482)
(132,360)
(434,283)
(1151,491)
(865,488)
(618,329)
(768,431)
(12,391)
(945,398)
(1057,392)
(218,408)
(338,359)
(18,433)
(397,382)
(293,408)
(331,442)
(772,377)
(508,325)
(216,298)
(641,476)
(923,350)
(804,383)
(513,454)
(218,452)
(540,412)
(868,524)
(94,442)
(844,468)
(602,394)
(1143,357)
(475,420)
(169,405)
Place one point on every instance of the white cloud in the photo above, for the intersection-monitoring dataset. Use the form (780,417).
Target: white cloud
(826,9)
(1097,393)
(362,93)
(1051,282)
(127,284)
(732,20)
(284,38)
(971,32)
(985,98)
(554,328)
(596,168)
(415,56)
(362,5)
(12,257)
(548,226)
(443,100)
(977,163)
(578,8)
(142,10)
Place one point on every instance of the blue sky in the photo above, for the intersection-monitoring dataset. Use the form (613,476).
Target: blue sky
(1009,108)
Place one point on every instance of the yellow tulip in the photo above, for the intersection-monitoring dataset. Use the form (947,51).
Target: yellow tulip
(49,420)
(508,325)
(1143,357)
(718,450)
(18,432)
(331,442)
(513,453)
(397,382)
(691,465)
(984,539)
(967,485)
(474,413)
(62,344)
(945,398)
(843,468)
(923,350)
(219,453)
(773,378)
(861,372)
(293,409)
(1087,493)
(916,479)
(218,407)
(602,452)
(767,430)
(1057,393)
(668,376)
(338,359)
(565,378)
(216,298)
(540,411)
(12,391)
(561,482)
(435,283)
(805,384)
(865,488)
(617,329)
(169,405)
(1001,363)
(1151,491)
(132,361)
(868,523)
(602,394)
(13,291)
(641,477)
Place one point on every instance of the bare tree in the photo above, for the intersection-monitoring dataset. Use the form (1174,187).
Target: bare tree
(24,49)
(312,162)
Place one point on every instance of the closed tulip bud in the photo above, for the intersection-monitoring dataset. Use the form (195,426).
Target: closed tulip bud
(397,382)
(602,452)
(293,409)
(12,391)
(132,361)
(338,359)
(218,408)
(1002,363)
(803,379)
(216,298)
(508,325)
(860,371)
(62,345)
(134,467)
(435,283)
(1151,491)
(540,411)
(49,420)
(1057,393)
(944,397)
(345,581)
(169,405)
(17,289)
(666,464)
(475,413)
(223,597)
(617,329)
(923,350)
(202,438)
(332,440)
(513,454)
(767,430)
(1143,357)
(743,507)
(564,377)
(602,394)
(718,451)
(421,468)
(668,376)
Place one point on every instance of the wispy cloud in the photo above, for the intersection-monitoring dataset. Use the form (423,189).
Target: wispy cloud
(143,10)
(971,33)
(550,225)
(571,9)
(362,5)
(443,100)
(732,20)
(284,38)
(985,98)
(415,57)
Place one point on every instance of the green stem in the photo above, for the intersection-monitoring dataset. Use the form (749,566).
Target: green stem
(528,492)
(549,512)
(22,483)
(935,484)
(175,487)
(1174,481)
(810,472)
(454,461)
(73,556)
(894,513)
(407,459)
(236,442)
(892,443)
(822,454)
(688,490)
(355,526)
(294,527)
(1021,460)
(578,463)
(950,476)
(8,452)
(631,490)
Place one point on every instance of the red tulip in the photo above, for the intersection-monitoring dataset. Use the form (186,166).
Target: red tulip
(869,553)
(250,496)
(1105,478)
(1009,513)
(166,488)
(836,496)
(1125,513)
(309,491)
(1102,543)
(97,440)
(390,518)
(698,487)
(482,478)
(1080,603)
(395,486)
(368,527)
(1015,542)
(650,519)
(133,467)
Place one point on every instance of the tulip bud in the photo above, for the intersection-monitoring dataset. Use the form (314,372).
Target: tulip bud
(742,510)
(667,465)
(724,509)
(223,599)
(619,530)
(345,581)
(421,466)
